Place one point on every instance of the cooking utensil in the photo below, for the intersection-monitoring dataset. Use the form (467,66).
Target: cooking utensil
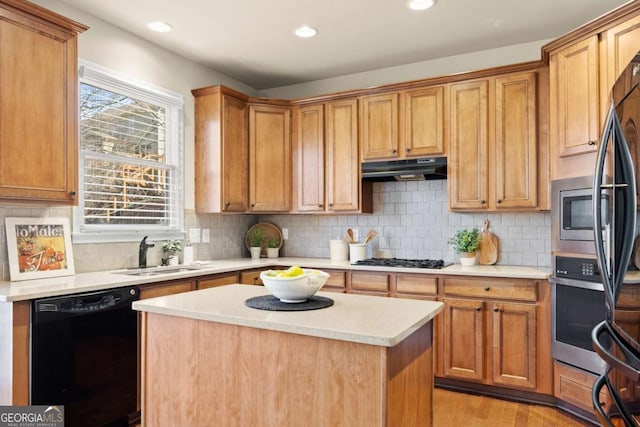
(488,250)
(350,234)
(370,235)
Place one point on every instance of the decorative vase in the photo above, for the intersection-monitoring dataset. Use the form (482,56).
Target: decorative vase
(174,260)
(272,252)
(255,252)
(467,258)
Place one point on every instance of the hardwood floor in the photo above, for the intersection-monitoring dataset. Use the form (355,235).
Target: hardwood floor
(452,409)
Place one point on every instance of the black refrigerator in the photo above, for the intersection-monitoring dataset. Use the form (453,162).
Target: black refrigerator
(617,338)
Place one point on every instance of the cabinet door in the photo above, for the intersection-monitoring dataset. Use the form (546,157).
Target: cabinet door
(424,122)
(468,149)
(515,144)
(379,126)
(574,118)
(38,110)
(463,339)
(342,161)
(513,346)
(270,159)
(235,155)
(308,155)
(622,44)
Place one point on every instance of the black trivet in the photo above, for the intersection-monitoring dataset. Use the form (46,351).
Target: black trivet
(269,302)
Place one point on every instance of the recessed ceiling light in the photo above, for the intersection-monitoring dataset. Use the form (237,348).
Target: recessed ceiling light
(159,26)
(305,31)
(420,4)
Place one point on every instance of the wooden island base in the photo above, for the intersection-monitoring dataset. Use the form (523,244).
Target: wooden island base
(204,373)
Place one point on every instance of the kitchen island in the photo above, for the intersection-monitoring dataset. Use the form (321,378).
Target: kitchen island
(207,359)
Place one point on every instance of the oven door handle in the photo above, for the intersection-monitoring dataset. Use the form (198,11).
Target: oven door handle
(613,361)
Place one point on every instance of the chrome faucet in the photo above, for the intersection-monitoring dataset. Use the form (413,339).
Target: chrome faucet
(142,252)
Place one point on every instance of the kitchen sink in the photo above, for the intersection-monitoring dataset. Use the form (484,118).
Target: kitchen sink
(156,271)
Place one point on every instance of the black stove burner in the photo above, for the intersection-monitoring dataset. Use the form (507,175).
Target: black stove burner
(399,262)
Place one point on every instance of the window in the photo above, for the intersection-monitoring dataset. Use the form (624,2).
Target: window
(130,159)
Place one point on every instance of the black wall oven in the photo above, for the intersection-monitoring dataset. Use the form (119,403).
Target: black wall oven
(578,305)
(84,356)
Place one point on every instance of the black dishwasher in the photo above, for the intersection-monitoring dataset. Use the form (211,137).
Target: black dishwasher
(84,356)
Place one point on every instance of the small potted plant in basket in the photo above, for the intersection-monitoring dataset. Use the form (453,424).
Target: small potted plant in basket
(255,236)
(466,242)
(170,249)
(272,248)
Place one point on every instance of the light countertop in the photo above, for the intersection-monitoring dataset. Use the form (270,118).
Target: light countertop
(89,282)
(356,318)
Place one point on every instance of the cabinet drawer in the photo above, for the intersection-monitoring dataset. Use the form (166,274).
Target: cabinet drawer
(251,277)
(160,290)
(336,279)
(218,280)
(522,290)
(419,285)
(574,386)
(370,282)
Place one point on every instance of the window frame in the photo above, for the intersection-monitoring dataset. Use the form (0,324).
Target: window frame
(173,103)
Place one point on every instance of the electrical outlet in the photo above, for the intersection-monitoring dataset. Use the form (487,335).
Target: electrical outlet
(205,235)
(285,234)
(194,235)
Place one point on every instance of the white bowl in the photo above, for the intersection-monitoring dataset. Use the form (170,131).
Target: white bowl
(294,289)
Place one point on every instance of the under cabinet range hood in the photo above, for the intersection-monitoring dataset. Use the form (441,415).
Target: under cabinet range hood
(405,170)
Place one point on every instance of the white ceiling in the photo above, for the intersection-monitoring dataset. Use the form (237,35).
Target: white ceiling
(253,42)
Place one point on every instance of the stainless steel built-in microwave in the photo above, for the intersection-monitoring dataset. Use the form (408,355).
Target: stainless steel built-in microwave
(576,214)
(572,208)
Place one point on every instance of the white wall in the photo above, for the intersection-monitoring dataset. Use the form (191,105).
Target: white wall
(419,70)
(112,47)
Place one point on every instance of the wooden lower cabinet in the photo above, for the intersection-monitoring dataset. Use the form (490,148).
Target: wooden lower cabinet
(218,280)
(500,339)
(574,385)
(463,339)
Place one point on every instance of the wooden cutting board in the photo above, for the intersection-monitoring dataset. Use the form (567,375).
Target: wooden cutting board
(488,251)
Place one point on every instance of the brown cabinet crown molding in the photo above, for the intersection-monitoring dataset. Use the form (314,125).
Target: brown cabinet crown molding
(591,28)
(47,17)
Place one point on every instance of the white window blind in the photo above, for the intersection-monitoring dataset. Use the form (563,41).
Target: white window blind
(130,158)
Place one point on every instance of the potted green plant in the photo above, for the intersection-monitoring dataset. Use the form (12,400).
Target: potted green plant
(273,247)
(255,236)
(170,249)
(465,243)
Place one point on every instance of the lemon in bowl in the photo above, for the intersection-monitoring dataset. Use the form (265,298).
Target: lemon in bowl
(295,284)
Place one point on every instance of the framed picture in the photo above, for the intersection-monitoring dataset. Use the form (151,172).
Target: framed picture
(39,248)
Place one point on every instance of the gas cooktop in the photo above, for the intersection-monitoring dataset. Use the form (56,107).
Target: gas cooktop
(400,262)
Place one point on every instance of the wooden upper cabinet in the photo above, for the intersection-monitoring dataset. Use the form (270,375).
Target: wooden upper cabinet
(221,150)
(380,126)
(469,145)
(422,131)
(342,164)
(493,152)
(621,44)
(515,146)
(38,104)
(269,158)
(574,108)
(309,158)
